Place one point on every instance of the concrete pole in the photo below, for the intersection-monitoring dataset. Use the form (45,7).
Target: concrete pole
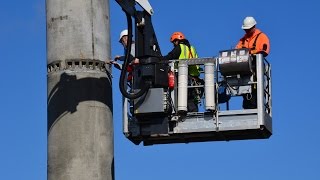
(80,126)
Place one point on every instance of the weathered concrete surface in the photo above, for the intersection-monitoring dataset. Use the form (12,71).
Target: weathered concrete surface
(78,29)
(80,126)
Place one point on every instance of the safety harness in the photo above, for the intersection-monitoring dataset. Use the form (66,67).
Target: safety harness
(254,43)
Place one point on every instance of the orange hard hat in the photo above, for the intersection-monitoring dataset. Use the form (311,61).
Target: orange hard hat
(177,35)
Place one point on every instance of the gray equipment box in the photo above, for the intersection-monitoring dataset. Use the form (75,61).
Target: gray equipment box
(152,102)
(235,61)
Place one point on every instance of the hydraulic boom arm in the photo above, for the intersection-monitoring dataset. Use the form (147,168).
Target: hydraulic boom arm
(146,45)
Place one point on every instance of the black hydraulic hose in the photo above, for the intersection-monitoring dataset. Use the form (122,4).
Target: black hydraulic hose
(122,80)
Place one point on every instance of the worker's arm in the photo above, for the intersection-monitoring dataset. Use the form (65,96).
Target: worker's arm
(117,65)
(174,54)
(239,45)
(263,45)
(119,58)
(122,58)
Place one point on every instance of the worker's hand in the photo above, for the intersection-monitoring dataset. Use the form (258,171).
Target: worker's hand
(113,62)
(116,65)
(116,58)
(108,61)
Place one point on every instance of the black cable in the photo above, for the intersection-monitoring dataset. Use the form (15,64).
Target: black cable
(122,80)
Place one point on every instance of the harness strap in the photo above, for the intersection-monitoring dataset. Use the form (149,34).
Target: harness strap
(254,43)
(190,55)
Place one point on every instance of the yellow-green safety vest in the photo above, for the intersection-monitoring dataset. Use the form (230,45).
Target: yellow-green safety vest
(186,54)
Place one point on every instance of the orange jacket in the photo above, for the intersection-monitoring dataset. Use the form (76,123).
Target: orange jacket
(258,38)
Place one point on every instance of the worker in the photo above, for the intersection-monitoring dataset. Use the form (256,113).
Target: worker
(183,50)
(123,40)
(258,43)
(254,39)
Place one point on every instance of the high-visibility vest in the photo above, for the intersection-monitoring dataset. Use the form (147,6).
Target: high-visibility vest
(187,53)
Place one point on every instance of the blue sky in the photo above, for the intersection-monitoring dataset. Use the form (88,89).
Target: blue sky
(292,152)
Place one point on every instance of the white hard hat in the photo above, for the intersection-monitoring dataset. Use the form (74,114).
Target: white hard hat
(123,33)
(248,22)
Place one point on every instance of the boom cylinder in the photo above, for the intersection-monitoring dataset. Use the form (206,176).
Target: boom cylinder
(80,126)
